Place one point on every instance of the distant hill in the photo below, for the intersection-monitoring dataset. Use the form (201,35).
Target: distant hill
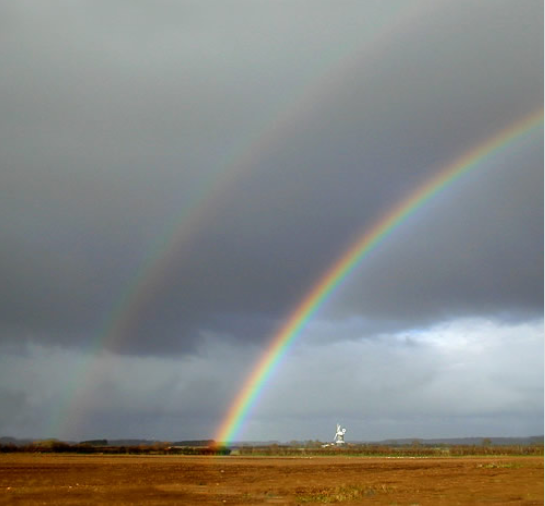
(92,442)
(15,441)
(466,441)
(460,441)
(95,442)
(131,442)
(265,443)
(195,442)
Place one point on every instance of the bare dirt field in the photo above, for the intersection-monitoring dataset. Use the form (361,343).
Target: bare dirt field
(61,479)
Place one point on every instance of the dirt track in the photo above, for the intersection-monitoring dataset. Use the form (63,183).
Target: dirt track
(54,479)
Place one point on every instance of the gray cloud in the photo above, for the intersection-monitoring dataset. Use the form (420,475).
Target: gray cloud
(189,170)
(458,378)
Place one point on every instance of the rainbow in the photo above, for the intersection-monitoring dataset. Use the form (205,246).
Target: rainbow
(213,189)
(349,259)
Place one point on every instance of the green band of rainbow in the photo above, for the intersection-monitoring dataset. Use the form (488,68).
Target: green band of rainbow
(339,270)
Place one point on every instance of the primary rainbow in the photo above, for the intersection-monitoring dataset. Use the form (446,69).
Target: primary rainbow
(339,270)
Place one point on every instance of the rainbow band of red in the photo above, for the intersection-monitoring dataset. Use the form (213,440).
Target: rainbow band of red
(341,268)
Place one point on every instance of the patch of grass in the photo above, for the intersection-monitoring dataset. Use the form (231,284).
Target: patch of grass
(342,493)
(500,465)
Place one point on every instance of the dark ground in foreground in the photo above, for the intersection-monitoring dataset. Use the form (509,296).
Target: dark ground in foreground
(73,479)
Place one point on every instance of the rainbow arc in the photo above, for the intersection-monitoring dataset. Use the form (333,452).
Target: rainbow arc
(341,268)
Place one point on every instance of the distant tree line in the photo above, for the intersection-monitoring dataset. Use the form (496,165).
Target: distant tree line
(415,449)
(373,450)
(96,447)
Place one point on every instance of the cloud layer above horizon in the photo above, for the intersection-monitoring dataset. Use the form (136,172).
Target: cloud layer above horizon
(176,177)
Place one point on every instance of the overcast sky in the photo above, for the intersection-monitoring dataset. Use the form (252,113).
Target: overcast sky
(176,175)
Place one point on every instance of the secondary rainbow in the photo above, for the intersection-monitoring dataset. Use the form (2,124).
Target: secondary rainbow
(214,188)
(341,268)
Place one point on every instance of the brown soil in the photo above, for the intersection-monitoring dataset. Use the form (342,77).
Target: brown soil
(60,479)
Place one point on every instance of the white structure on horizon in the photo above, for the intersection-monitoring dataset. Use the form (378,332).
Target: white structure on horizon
(339,436)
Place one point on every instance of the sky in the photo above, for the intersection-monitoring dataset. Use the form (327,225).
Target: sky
(177,175)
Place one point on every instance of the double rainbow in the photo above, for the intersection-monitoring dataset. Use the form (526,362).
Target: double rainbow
(341,268)
(214,188)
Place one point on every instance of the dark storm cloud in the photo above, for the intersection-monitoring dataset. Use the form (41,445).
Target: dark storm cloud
(113,115)
(479,251)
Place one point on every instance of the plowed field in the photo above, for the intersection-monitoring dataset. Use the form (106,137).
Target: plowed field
(60,479)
